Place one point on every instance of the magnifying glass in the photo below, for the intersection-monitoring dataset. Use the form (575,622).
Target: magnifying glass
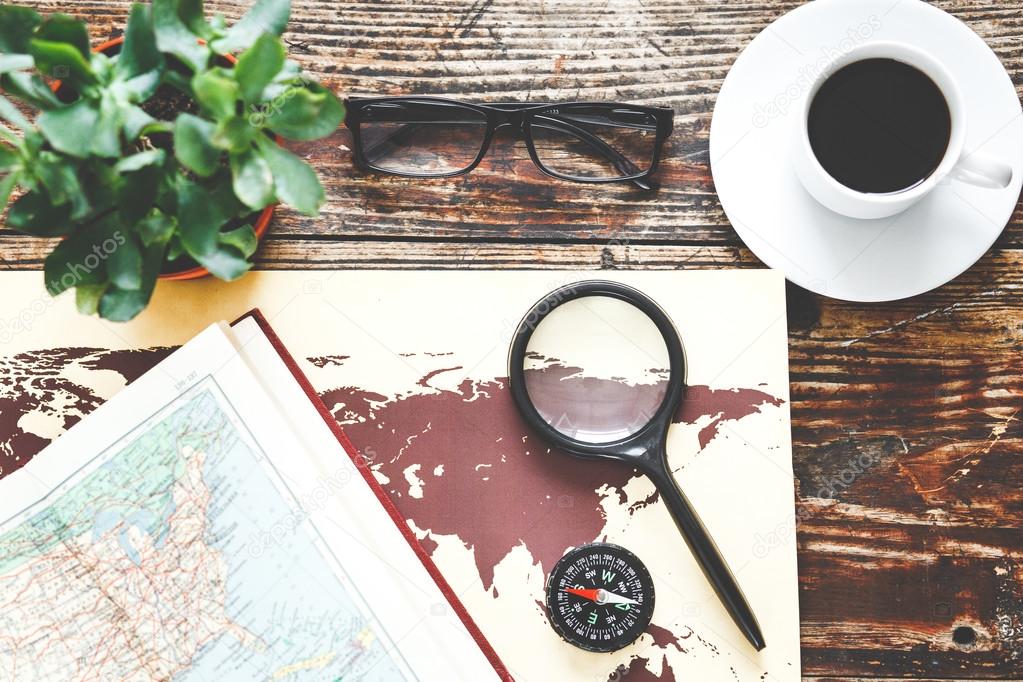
(598,369)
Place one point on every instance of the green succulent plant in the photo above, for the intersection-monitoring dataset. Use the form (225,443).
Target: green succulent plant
(127,188)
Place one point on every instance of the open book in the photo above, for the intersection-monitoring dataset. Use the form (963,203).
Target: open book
(212,522)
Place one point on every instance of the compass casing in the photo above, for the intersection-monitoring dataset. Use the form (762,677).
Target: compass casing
(597,627)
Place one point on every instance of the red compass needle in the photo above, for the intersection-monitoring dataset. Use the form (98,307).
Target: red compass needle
(585,594)
(600,596)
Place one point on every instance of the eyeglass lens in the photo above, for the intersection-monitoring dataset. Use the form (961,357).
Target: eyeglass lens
(422,138)
(594,142)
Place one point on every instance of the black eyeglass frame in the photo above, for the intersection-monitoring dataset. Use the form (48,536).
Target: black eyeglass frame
(519,115)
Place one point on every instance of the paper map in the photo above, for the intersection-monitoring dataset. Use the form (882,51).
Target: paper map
(413,365)
(149,548)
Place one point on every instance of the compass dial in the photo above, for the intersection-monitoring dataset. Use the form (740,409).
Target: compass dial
(600,597)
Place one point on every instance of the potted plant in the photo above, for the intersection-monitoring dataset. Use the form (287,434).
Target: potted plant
(157,155)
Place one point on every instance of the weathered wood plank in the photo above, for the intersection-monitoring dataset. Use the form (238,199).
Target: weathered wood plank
(670,53)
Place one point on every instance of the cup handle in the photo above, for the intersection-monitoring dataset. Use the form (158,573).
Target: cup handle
(982,171)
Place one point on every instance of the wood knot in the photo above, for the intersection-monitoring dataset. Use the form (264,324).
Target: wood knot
(964,635)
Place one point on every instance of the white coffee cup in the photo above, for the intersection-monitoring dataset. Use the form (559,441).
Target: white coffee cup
(973,168)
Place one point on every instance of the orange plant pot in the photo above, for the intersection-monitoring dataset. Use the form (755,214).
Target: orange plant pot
(262,222)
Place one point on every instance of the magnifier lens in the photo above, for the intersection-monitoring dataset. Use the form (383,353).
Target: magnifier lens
(596,369)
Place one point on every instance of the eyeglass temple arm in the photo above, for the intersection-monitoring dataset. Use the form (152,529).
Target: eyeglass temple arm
(621,163)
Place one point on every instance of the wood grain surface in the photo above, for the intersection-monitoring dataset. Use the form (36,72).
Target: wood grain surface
(906,416)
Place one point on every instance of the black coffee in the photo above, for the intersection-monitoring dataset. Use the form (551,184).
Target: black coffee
(879,126)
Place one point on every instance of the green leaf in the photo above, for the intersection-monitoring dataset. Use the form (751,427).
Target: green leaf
(199,218)
(17,24)
(87,297)
(8,135)
(122,305)
(15,62)
(11,113)
(137,122)
(174,248)
(157,228)
(61,28)
(61,182)
(140,88)
(35,214)
(218,23)
(307,114)
(150,157)
(173,37)
(70,129)
(258,65)
(102,67)
(179,82)
(137,194)
(61,60)
(7,184)
(242,238)
(234,134)
(139,54)
(265,16)
(101,183)
(289,73)
(226,263)
(216,94)
(193,16)
(252,180)
(295,183)
(30,88)
(9,159)
(192,144)
(80,259)
(124,262)
(106,134)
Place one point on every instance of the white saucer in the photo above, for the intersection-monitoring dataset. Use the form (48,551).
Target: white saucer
(859,260)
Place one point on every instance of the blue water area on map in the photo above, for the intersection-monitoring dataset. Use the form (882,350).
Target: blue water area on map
(280,589)
(109,519)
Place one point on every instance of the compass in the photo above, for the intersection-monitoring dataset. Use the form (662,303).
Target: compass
(600,597)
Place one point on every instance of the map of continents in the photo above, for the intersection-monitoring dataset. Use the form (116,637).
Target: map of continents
(457,461)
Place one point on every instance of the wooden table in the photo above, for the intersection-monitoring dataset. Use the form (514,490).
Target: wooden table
(911,567)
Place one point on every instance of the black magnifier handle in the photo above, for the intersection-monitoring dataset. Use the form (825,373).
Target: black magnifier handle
(707,555)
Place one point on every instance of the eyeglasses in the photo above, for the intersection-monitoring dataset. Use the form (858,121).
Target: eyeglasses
(432,137)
